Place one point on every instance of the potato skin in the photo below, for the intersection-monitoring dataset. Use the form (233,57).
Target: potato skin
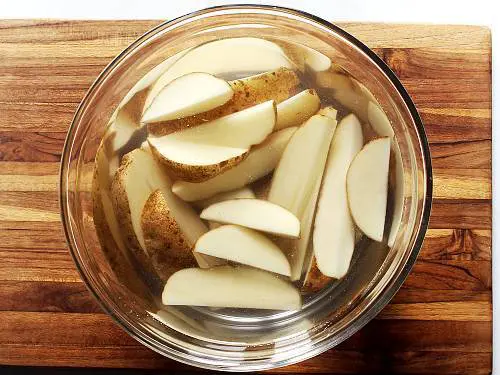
(119,262)
(277,85)
(122,210)
(315,280)
(166,244)
(195,173)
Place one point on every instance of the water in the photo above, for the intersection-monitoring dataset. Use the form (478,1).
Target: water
(335,87)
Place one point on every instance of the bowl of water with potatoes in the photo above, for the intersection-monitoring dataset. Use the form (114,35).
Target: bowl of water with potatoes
(245,187)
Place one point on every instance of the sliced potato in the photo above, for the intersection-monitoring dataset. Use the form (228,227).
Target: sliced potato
(105,223)
(379,121)
(261,160)
(367,183)
(244,192)
(328,112)
(316,61)
(188,95)
(199,153)
(238,56)
(333,248)
(256,214)
(297,179)
(398,193)
(244,246)
(137,178)
(169,247)
(226,286)
(302,162)
(296,110)
(305,58)
(346,91)
(276,85)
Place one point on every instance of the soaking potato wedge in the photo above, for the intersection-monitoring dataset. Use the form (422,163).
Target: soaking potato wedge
(276,85)
(199,153)
(261,160)
(256,214)
(296,110)
(245,246)
(207,58)
(297,179)
(333,248)
(368,202)
(226,286)
(188,95)
(138,177)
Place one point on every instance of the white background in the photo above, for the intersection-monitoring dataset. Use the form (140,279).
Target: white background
(479,12)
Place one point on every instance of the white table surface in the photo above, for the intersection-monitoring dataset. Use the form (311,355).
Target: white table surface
(478,12)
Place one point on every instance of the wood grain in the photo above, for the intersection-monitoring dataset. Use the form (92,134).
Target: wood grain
(439,322)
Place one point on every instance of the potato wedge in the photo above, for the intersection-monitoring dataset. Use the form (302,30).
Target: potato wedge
(333,248)
(168,245)
(368,201)
(346,91)
(137,178)
(297,180)
(239,56)
(261,160)
(256,214)
(226,286)
(245,246)
(276,85)
(188,95)
(296,110)
(199,153)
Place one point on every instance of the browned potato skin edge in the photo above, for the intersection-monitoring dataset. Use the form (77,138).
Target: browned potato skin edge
(118,262)
(277,85)
(164,239)
(195,173)
(122,210)
(315,280)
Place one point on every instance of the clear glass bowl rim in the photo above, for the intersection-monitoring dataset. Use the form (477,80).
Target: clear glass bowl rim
(391,288)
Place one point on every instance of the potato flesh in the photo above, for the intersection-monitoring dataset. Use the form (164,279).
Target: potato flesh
(368,202)
(188,95)
(296,110)
(302,161)
(256,214)
(219,140)
(245,246)
(207,58)
(333,248)
(226,286)
(297,179)
(261,160)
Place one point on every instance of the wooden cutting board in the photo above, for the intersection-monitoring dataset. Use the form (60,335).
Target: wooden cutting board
(439,322)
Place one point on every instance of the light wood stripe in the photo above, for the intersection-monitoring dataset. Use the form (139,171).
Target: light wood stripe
(10,213)
(29,183)
(19,273)
(461,184)
(484,113)
(454,311)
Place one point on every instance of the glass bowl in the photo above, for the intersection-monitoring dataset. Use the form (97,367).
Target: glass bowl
(229,339)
